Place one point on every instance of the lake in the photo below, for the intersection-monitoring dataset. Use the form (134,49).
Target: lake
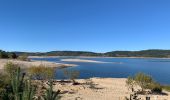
(159,69)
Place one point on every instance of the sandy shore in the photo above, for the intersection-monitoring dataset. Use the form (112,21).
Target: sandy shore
(26,64)
(105,89)
(82,60)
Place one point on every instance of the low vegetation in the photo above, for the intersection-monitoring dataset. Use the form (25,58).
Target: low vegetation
(50,94)
(166,87)
(17,85)
(23,57)
(4,54)
(72,75)
(145,82)
(41,72)
(143,53)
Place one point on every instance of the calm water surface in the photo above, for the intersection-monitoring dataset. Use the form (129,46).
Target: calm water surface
(159,69)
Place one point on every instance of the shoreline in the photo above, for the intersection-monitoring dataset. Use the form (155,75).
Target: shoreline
(95,57)
(104,89)
(83,60)
(27,64)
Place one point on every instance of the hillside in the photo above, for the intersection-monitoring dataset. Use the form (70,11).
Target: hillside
(142,53)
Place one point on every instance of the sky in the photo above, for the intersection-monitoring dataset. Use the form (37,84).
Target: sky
(84,25)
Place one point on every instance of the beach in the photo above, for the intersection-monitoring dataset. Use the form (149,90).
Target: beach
(82,60)
(104,89)
(88,89)
(26,64)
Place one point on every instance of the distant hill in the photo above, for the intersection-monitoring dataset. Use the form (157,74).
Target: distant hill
(60,53)
(143,53)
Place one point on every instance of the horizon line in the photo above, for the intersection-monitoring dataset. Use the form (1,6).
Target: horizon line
(78,51)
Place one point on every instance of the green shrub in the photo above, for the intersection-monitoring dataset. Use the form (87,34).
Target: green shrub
(12,55)
(41,72)
(143,80)
(130,83)
(155,88)
(4,80)
(10,68)
(3,54)
(23,57)
(18,88)
(50,94)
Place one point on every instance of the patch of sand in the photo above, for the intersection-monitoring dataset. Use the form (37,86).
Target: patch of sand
(105,89)
(82,60)
(27,64)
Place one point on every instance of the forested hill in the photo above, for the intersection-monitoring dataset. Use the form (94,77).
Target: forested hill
(61,53)
(143,53)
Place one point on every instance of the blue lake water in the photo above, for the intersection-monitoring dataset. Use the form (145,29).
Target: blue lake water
(159,69)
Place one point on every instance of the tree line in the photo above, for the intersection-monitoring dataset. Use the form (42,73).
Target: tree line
(143,53)
(4,54)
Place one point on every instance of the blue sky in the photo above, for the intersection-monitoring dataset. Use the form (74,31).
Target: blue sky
(87,25)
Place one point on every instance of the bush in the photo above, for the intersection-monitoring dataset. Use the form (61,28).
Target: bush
(20,87)
(130,82)
(50,94)
(12,55)
(3,54)
(143,80)
(23,57)
(4,79)
(72,75)
(41,72)
(155,88)
(10,68)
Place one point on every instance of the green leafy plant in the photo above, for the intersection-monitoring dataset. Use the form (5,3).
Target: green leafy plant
(29,91)
(50,94)
(18,88)
(21,87)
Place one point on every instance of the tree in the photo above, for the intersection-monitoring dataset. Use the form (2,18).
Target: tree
(3,54)
(12,55)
